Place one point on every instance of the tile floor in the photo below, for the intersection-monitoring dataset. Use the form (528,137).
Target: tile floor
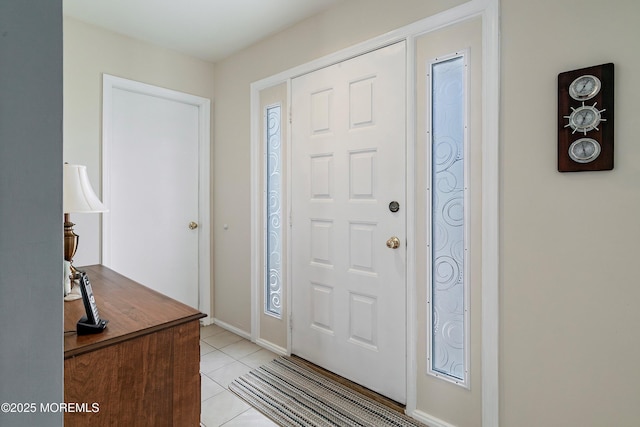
(225,356)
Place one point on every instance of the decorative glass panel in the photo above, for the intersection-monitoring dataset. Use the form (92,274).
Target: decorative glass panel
(448,307)
(273,291)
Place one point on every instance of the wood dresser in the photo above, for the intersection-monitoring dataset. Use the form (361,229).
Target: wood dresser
(143,369)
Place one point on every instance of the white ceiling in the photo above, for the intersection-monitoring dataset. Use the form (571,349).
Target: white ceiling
(207,29)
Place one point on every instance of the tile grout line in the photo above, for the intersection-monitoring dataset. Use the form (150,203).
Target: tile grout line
(226,365)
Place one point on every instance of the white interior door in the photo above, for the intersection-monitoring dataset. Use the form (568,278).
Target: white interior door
(152,173)
(348,165)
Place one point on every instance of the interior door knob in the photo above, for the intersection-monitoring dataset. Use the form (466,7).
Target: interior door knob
(193,225)
(393,243)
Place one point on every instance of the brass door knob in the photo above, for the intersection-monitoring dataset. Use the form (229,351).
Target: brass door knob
(393,243)
(193,225)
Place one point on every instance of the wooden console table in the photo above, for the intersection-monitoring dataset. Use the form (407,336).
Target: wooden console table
(143,369)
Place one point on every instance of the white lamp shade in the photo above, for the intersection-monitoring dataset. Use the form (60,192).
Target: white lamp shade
(78,196)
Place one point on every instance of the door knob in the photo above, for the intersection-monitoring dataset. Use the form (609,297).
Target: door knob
(193,225)
(393,243)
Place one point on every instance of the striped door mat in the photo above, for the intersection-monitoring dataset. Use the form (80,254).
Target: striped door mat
(291,394)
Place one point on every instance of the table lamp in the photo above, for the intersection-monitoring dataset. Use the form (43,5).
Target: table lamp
(78,197)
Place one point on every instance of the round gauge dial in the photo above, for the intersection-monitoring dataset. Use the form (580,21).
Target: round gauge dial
(584,87)
(584,118)
(584,150)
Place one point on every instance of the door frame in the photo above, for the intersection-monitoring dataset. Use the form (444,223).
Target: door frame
(109,83)
(489,10)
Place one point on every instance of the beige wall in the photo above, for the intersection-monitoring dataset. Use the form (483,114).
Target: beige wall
(90,51)
(569,291)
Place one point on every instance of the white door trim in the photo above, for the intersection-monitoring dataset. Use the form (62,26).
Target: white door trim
(109,83)
(489,10)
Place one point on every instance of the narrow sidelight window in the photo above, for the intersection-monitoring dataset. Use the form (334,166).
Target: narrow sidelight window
(273,288)
(448,287)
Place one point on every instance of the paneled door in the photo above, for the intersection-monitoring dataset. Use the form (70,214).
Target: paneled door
(155,229)
(349,219)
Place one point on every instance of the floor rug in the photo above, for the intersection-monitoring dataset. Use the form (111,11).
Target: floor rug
(293,395)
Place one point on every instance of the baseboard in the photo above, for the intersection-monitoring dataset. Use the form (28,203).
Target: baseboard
(429,420)
(206,321)
(281,351)
(233,329)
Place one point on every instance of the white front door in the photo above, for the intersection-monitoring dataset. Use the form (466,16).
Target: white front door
(152,188)
(348,167)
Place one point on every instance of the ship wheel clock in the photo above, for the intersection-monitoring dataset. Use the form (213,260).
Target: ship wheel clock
(585,119)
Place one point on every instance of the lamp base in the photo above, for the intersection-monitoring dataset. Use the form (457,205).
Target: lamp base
(70,241)
(75,292)
(70,246)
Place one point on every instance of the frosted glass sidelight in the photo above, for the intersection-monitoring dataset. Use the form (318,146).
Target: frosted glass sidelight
(447,296)
(273,290)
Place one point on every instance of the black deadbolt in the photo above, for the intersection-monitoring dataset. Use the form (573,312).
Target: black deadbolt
(394,206)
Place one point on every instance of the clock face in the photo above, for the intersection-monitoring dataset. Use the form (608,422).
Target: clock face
(584,87)
(584,150)
(585,118)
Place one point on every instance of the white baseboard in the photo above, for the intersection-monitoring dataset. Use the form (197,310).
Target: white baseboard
(271,347)
(206,321)
(262,343)
(233,329)
(429,420)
